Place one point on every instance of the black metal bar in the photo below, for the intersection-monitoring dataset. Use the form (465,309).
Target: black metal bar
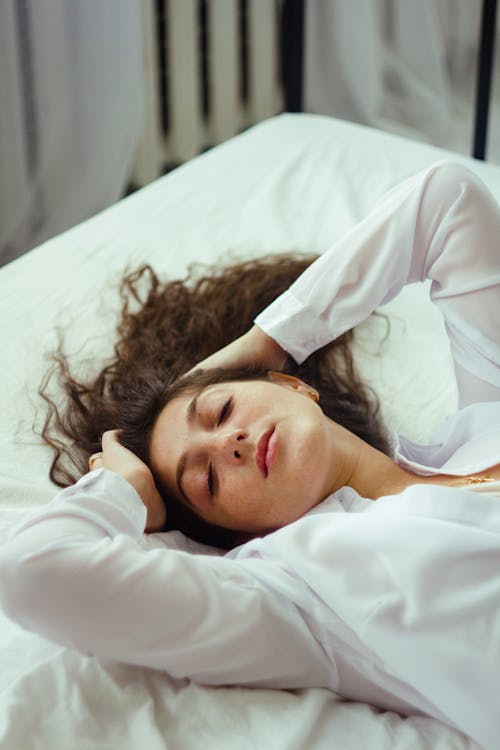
(292,45)
(484,74)
(27,78)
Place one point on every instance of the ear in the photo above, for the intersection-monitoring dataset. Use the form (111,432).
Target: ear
(295,384)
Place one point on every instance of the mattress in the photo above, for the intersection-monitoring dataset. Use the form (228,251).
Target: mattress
(294,182)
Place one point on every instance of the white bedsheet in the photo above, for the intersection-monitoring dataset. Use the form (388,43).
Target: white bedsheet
(294,182)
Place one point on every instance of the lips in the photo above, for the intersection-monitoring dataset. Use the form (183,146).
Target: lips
(263,452)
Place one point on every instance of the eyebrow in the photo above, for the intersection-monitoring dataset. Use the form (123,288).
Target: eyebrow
(181,466)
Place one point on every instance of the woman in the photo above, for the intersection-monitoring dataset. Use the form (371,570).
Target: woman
(372,575)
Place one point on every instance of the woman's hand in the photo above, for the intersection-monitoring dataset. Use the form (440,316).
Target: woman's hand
(253,348)
(122,461)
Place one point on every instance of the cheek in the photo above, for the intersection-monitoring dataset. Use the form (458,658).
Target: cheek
(308,440)
(196,486)
(247,504)
(309,459)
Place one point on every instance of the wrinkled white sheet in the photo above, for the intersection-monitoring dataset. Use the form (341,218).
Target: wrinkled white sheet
(294,182)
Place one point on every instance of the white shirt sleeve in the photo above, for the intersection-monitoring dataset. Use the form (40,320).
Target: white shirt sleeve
(76,573)
(443,225)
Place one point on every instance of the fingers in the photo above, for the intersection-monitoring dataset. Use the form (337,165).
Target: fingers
(95,461)
(108,437)
(108,440)
(124,462)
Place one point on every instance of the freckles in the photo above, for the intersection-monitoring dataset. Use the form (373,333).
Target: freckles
(248,507)
(197,489)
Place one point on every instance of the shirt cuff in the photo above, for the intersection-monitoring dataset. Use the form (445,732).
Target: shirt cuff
(102,497)
(294,326)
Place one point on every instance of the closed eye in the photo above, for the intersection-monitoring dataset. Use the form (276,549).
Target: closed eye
(225,411)
(210,480)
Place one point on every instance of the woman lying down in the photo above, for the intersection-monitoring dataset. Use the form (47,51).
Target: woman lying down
(349,565)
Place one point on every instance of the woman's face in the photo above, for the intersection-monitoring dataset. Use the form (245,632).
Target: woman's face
(245,455)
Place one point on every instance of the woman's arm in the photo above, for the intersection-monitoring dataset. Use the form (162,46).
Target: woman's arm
(76,573)
(125,463)
(254,347)
(443,225)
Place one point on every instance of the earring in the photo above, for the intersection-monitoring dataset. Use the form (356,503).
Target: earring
(294,382)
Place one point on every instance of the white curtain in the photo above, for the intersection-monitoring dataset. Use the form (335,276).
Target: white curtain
(70,113)
(406,66)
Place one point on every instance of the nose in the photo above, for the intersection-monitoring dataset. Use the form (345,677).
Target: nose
(231,445)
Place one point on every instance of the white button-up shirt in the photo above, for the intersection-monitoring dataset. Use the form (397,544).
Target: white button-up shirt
(395,602)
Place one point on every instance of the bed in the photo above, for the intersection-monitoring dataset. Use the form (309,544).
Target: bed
(294,182)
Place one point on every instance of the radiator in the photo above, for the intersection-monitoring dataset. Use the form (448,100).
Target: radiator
(211,69)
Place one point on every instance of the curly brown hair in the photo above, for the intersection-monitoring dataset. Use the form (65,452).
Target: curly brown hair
(164,330)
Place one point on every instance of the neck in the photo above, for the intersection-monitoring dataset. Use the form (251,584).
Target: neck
(372,474)
(367,470)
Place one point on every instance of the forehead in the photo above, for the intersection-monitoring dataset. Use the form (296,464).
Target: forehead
(168,435)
